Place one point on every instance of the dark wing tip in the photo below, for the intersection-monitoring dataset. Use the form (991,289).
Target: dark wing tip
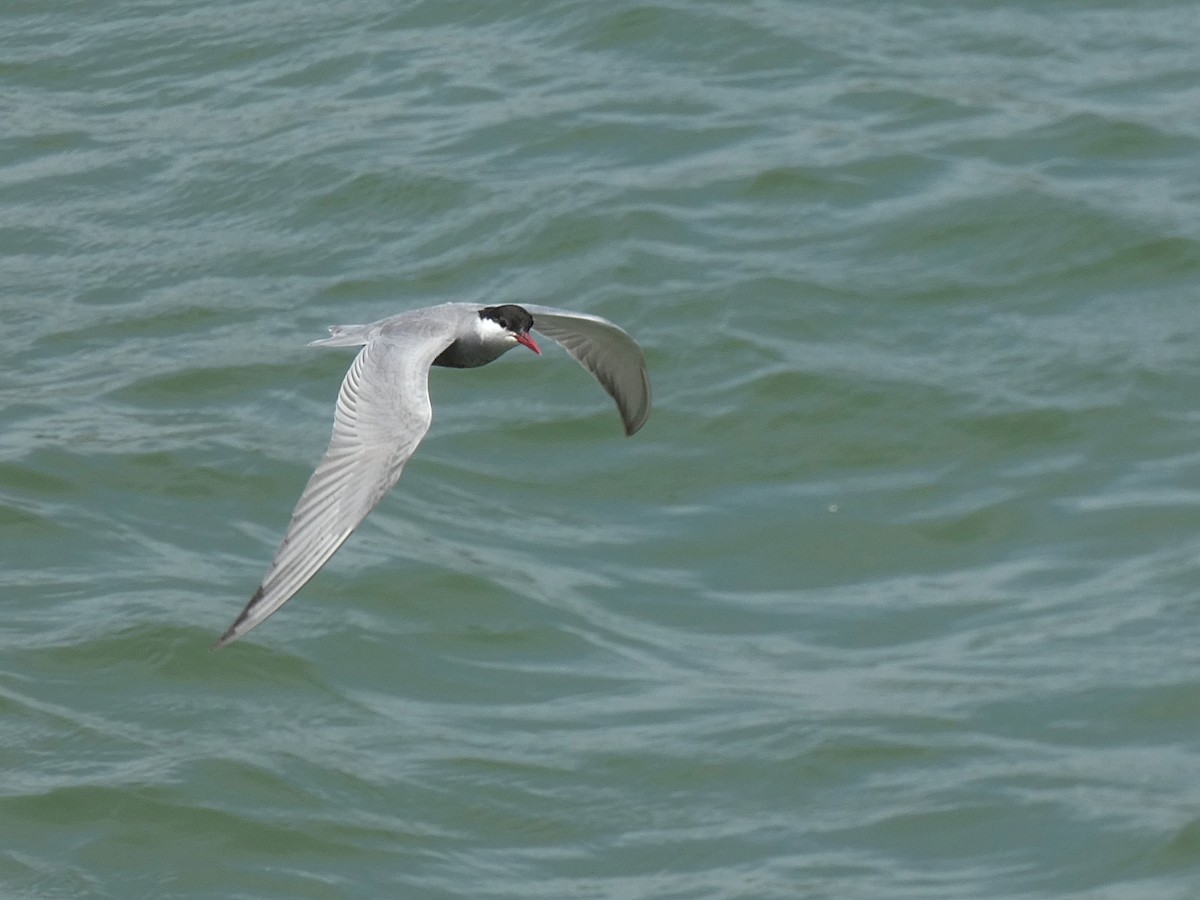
(633,424)
(634,418)
(231,633)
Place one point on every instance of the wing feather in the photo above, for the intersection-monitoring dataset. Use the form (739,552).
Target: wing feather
(382,413)
(608,352)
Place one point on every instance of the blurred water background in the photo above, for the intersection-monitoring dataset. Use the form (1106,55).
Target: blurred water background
(896,595)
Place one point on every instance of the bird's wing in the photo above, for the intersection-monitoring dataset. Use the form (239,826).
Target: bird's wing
(611,355)
(382,414)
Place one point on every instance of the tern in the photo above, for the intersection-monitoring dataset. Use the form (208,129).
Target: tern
(383,412)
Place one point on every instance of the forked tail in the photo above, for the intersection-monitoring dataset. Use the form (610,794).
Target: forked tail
(344,336)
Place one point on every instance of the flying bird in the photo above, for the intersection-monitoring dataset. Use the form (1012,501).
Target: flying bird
(383,412)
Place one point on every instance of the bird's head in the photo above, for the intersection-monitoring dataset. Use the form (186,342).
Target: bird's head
(509,322)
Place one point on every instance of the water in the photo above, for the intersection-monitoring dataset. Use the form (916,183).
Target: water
(894,596)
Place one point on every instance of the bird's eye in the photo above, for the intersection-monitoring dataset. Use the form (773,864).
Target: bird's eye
(503,323)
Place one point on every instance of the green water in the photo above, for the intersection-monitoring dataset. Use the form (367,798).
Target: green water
(895,596)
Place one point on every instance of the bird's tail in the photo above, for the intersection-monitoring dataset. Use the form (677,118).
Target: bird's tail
(344,336)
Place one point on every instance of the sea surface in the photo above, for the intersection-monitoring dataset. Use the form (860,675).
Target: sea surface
(897,594)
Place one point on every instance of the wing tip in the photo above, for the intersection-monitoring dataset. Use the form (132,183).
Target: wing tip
(236,630)
(633,420)
(231,634)
(634,424)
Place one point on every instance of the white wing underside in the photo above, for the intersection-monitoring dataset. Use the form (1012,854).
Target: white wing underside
(382,414)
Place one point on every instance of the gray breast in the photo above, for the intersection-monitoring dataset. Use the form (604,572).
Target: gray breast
(466,353)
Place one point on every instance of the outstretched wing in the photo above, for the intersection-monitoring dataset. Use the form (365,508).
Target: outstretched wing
(382,414)
(611,355)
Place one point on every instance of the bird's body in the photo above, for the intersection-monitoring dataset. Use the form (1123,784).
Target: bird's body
(383,412)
